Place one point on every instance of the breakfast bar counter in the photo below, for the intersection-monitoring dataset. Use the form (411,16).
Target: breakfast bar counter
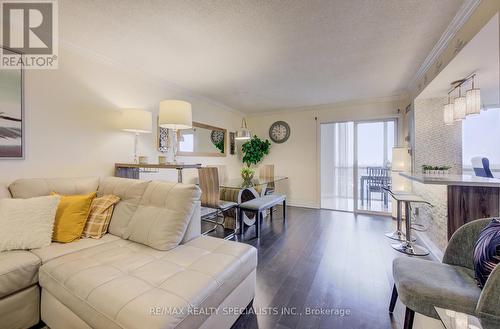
(468,197)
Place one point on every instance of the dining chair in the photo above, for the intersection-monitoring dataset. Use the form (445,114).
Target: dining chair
(267,171)
(481,166)
(208,178)
(378,179)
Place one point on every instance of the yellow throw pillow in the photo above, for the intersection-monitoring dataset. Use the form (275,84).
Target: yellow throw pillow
(71,216)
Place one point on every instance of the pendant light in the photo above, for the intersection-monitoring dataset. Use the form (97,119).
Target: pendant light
(462,106)
(243,133)
(459,107)
(448,113)
(473,100)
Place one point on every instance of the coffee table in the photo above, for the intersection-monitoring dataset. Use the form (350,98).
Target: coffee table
(456,320)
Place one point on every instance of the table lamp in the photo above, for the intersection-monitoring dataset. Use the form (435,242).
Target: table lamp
(138,122)
(175,115)
(400,163)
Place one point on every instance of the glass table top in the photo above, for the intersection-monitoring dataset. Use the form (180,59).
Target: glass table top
(457,320)
(239,183)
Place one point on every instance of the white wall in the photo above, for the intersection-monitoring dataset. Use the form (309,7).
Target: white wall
(72,119)
(298,158)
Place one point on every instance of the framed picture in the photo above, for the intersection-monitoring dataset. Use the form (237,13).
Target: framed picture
(232,143)
(163,138)
(11,112)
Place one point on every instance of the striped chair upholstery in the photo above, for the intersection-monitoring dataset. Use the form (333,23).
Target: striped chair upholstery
(267,171)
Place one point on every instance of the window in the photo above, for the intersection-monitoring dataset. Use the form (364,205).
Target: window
(481,137)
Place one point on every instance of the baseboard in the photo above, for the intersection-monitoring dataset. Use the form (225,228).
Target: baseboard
(302,204)
(434,250)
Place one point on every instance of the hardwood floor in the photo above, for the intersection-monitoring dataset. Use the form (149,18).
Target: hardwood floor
(326,260)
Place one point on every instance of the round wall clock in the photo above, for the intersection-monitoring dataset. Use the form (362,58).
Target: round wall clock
(217,136)
(279,132)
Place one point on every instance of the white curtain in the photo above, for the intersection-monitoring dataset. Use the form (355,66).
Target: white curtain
(337,158)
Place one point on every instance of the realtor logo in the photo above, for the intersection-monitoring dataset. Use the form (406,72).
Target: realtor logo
(29,28)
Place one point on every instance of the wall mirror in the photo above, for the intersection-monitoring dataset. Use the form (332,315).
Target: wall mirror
(202,140)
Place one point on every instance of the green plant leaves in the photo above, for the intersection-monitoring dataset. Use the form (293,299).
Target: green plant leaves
(254,150)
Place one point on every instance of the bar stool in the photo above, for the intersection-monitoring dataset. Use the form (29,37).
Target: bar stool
(408,246)
(398,234)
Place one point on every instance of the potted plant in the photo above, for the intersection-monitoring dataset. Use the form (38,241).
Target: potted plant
(253,152)
(444,170)
(247,173)
(426,169)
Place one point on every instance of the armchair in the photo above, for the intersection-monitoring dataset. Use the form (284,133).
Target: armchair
(423,284)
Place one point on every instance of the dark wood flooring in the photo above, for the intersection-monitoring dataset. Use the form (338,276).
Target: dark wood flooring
(323,260)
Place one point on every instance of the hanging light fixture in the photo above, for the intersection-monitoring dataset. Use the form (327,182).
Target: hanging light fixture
(459,107)
(473,99)
(462,106)
(243,133)
(448,112)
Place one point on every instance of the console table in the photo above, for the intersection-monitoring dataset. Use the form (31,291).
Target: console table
(132,170)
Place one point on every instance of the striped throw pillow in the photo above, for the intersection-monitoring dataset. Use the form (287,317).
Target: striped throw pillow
(101,210)
(487,251)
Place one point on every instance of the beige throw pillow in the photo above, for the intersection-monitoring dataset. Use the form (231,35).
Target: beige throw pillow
(101,210)
(27,223)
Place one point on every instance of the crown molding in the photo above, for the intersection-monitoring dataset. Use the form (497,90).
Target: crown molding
(463,14)
(336,105)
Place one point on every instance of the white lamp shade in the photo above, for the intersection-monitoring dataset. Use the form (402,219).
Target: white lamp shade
(400,159)
(243,134)
(400,183)
(175,114)
(459,109)
(448,114)
(137,121)
(473,101)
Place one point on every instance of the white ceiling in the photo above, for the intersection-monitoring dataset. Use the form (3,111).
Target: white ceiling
(264,55)
(480,56)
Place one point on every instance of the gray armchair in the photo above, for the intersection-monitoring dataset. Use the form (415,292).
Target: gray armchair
(423,284)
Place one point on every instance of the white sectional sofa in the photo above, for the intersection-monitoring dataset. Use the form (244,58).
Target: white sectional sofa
(120,281)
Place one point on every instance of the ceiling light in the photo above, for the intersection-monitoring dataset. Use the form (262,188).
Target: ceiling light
(462,106)
(473,100)
(459,108)
(448,114)
(243,133)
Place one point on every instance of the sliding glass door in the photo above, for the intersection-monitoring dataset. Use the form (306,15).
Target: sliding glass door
(374,143)
(355,165)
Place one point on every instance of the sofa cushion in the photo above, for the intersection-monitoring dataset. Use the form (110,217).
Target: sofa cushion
(33,187)
(130,192)
(18,270)
(435,284)
(120,284)
(163,214)
(56,249)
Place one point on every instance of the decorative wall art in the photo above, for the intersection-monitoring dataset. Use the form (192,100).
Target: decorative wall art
(11,113)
